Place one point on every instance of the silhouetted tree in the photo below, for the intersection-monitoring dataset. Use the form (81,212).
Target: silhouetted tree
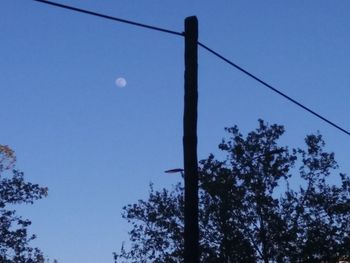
(14,237)
(248,211)
(318,214)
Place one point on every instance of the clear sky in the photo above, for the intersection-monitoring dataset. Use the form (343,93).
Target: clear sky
(98,146)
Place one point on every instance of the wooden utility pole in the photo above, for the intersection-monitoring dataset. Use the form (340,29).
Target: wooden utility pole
(190,141)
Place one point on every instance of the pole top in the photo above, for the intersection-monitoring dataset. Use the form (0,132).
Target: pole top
(191,21)
(191,27)
(191,18)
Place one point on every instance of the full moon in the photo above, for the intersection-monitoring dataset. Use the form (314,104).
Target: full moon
(120,82)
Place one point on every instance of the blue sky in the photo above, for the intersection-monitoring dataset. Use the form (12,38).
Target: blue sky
(97,146)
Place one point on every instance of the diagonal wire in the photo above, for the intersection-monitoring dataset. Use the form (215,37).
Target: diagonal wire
(110,17)
(274,89)
(203,46)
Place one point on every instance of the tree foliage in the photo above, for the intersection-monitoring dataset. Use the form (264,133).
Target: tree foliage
(249,212)
(14,237)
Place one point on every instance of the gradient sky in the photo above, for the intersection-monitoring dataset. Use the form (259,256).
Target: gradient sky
(97,146)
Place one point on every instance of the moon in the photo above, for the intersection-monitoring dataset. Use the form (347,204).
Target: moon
(120,82)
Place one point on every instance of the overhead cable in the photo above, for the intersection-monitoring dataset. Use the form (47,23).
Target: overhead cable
(206,48)
(110,17)
(273,89)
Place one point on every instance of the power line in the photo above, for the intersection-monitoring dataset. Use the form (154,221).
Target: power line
(163,30)
(273,89)
(110,17)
